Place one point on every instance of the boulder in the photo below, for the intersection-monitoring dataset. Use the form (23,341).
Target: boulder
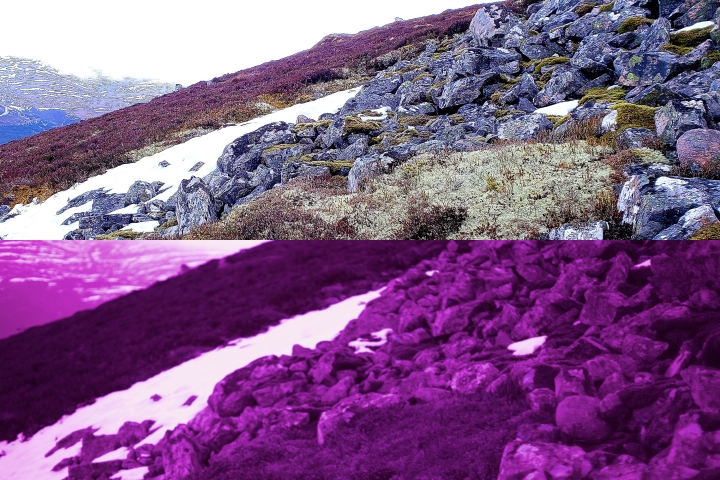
(542,399)
(642,349)
(139,192)
(578,416)
(131,433)
(521,460)
(579,231)
(195,205)
(366,168)
(474,378)
(565,81)
(524,89)
(632,138)
(524,127)
(338,391)
(181,455)
(346,409)
(689,224)
(292,170)
(572,381)
(678,117)
(452,320)
(704,385)
(489,22)
(657,36)
(464,91)
(635,69)
(699,148)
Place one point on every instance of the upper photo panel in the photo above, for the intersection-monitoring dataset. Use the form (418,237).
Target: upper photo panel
(523,119)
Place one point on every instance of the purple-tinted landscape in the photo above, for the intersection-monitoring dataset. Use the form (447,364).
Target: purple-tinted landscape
(477,360)
(45,281)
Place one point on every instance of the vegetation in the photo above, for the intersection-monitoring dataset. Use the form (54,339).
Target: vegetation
(630,115)
(708,232)
(459,437)
(691,38)
(602,94)
(550,61)
(528,180)
(607,7)
(49,370)
(520,6)
(676,49)
(120,235)
(55,160)
(355,125)
(585,8)
(632,24)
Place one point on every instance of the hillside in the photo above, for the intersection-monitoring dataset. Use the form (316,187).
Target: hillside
(491,360)
(50,370)
(52,161)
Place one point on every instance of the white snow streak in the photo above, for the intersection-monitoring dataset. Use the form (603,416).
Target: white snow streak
(527,347)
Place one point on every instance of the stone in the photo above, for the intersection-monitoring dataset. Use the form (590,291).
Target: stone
(343,412)
(632,138)
(578,416)
(521,459)
(524,127)
(572,381)
(96,446)
(293,170)
(642,349)
(452,320)
(271,394)
(601,308)
(580,231)
(657,36)
(601,367)
(338,391)
(689,224)
(678,117)
(131,433)
(195,205)
(94,470)
(634,69)
(523,89)
(542,399)
(490,21)
(464,91)
(365,169)
(181,456)
(474,378)
(699,147)
(704,385)
(565,81)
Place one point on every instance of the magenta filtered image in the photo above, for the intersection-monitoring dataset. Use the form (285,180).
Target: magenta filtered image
(360,360)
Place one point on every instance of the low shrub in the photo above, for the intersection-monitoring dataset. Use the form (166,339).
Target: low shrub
(355,125)
(431,222)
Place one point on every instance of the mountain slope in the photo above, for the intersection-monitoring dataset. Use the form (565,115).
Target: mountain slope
(50,370)
(73,276)
(60,158)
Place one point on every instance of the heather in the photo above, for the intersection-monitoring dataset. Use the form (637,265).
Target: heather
(55,160)
(459,437)
(50,370)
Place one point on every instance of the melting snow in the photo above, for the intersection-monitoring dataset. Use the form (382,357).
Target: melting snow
(559,109)
(645,264)
(40,222)
(26,460)
(361,346)
(383,111)
(697,26)
(143,227)
(527,347)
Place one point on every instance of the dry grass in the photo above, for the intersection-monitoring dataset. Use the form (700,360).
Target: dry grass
(510,191)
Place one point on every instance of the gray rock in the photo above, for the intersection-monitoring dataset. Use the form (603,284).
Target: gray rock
(234,188)
(678,117)
(704,385)
(579,231)
(195,205)
(231,162)
(530,461)
(491,21)
(565,81)
(139,192)
(699,148)
(291,170)
(381,84)
(634,69)
(108,203)
(347,408)
(654,95)
(474,378)
(102,224)
(333,135)
(366,168)
(578,416)
(657,36)
(524,89)
(181,455)
(355,150)
(689,224)
(82,200)
(524,127)
(465,90)
(632,138)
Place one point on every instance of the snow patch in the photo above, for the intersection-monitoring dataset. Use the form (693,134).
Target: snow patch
(383,111)
(559,109)
(697,26)
(362,346)
(40,222)
(646,264)
(134,474)
(527,347)
(26,460)
(142,227)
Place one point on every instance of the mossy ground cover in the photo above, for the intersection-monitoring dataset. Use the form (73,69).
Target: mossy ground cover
(632,24)
(691,38)
(460,437)
(530,184)
(602,94)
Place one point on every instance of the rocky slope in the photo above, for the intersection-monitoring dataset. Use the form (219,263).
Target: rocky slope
(615,342)
(637,75)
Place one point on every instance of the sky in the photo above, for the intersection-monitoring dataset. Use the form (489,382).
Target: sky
(186,42)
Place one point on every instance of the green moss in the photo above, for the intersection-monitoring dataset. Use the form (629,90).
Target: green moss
(335,166)
(634,60)
(607,7)
(415,120)
(562,120)
(601,94)
(308,126)
(499,113)
(170,223)
(422,76)
(532,33)
(710,59)
(708,232)
(457,118)
(355,125)
(282,146)
(408,69)
(630,115)
(631,24)
(508,79)
(677,50)
(585,8)
(632,77)
(120,235)
(550,61)
(691,38)
(529,64)
(541,83)
(544,78)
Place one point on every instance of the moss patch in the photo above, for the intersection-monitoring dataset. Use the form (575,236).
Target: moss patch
(677,50)
(275,148)
(708,232)
(691,38)
(308,126)
(601,94)
(170,223)
(585,8)
(634,116)
(631,24)
(415,120)
(710,59)
(120,235)
(335,165)
(355,125)
(550,61)
(607,7)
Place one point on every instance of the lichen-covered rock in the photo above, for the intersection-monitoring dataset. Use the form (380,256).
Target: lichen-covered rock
(521,460)
(139,192)
(689,224)
(657,36)
(699,147)
(704,385)
(464,91)
(643,349)
(182,456)
(366,168)
(578,416)
(635,69)
(565,81)
(632,138)
(524,127)
(678,117)
(474,378)
(490,22)
(525,88)
(343,412)
(291,170)
(195,205)
(542,399)
(579,231)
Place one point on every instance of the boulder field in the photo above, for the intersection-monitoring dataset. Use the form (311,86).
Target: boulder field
(616,341)
(638,73)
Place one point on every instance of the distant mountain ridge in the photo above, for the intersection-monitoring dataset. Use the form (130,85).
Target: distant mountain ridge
(31,89)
